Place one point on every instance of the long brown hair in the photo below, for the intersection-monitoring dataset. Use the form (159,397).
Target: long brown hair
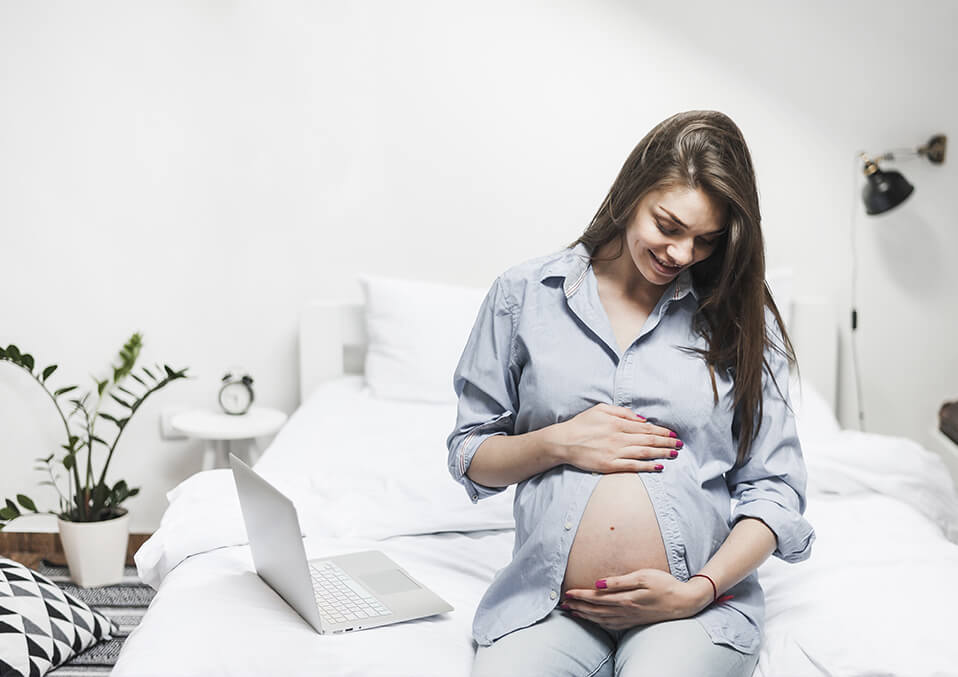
(703,149)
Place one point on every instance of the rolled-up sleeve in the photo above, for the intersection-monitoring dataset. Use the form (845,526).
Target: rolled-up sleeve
(771,484)
(485,382)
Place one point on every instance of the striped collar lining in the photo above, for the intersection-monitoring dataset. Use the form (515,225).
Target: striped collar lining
(573,264)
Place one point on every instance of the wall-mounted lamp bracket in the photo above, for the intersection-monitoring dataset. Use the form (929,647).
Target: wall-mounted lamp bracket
(935,149)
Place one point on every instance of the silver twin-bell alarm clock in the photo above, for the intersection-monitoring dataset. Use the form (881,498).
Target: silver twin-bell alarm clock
(236,393)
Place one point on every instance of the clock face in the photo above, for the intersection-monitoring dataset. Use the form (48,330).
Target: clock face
(235,398)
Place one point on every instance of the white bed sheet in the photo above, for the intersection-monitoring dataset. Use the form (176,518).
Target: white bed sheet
(214,616)
(872,599)
(875,598)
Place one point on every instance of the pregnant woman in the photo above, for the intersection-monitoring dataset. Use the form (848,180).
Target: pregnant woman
(631,384)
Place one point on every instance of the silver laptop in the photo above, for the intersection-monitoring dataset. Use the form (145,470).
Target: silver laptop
(349,592)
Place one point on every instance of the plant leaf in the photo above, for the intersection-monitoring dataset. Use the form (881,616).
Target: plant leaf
(134,492)
(13,353)
(68,461)
(26,502)
(139,380)
(169,372)
(100,387)
(60,391)
(117,399)
(13,506)
(7,514)
(108,417)
(149,373)
(120,492)
(124,390)
(128,355)
(27,361)
(49,370)
(101,441)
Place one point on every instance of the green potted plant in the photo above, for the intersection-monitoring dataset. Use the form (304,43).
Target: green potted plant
(93,526)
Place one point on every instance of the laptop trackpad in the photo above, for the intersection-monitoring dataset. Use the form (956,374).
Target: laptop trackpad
(387,582)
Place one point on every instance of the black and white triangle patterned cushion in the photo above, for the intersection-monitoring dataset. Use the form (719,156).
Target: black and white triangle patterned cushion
(41,626)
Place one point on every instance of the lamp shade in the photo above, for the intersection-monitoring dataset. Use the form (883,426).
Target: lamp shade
(884,190)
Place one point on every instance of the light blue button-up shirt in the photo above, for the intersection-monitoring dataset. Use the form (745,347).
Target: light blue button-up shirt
(541,351)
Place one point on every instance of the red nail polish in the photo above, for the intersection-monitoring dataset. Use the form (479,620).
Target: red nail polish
(659,466)
(679,444)
(672,434)
(641,418)
(674,453)
(601,583)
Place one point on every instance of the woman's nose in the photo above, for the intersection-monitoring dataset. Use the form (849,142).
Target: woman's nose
(682,254)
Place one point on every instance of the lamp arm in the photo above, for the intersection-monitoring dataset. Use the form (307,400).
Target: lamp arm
(898,153)
(934,150)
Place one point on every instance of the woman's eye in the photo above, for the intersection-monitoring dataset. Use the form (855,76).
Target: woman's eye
(705,243)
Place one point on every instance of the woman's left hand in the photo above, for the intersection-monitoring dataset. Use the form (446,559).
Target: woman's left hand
(637,598)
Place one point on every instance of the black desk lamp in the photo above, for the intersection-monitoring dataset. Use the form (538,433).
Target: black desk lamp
(885,190)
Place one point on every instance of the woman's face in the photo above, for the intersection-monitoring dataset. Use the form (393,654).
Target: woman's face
(672,229)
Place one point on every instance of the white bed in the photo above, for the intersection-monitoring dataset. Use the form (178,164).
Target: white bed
(871,600)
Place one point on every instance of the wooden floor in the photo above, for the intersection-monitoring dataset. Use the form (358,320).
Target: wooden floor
(29,547)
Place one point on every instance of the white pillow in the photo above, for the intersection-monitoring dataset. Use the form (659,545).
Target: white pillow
(855,462)
(814,419)
(780,282)
(416,334)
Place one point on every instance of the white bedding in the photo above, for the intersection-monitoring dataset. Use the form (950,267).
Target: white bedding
(872,599)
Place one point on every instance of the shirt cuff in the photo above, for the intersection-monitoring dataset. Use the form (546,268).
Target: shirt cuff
(794,534)
(467,450)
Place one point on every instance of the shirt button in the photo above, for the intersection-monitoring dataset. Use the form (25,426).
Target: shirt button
(552,594)
(568,525)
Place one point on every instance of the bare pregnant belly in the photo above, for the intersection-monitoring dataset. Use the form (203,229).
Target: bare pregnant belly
(618,534)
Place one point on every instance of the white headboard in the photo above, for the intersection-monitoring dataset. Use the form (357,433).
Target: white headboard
(332,339)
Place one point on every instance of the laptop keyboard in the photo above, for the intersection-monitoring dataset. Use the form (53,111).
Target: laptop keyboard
(339,597)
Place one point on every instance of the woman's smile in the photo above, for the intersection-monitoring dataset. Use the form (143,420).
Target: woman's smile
(662,268)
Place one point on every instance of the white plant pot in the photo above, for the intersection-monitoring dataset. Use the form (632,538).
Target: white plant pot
(95,551)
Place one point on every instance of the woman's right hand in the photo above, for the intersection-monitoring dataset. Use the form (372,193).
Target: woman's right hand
(608,439)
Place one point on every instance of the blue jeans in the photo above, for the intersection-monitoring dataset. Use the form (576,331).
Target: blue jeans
(560,645)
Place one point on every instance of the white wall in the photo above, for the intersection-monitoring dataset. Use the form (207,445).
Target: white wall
(198,171)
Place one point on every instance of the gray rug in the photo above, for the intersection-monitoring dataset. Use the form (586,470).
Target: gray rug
(125,603)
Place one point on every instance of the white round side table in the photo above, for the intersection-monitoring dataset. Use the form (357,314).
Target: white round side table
(219,429)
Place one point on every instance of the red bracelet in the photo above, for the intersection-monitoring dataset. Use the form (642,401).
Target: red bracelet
(714,589)
(716,599)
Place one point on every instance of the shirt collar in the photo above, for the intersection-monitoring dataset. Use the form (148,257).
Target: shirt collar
(574,262)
